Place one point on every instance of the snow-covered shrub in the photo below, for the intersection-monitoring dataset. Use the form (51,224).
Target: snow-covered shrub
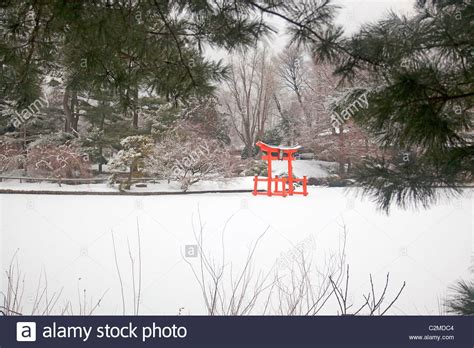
(135,152)
(12,156)
(60,161)
(190,160)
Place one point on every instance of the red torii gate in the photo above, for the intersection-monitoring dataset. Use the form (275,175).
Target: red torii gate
(270,153)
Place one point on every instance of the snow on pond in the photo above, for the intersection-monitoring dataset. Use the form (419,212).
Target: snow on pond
(70,239)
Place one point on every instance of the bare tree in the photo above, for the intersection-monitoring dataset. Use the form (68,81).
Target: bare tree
(293,77)
(373,303)
(301,287)
(248,99)
(319,94)
(227,291)
(135,273)
(42,301)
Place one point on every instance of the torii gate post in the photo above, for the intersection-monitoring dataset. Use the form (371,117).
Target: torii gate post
(270,153)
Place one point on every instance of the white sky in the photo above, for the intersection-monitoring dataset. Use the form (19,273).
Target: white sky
(352,14)
(356,12)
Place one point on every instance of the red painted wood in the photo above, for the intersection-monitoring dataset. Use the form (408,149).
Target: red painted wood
(284,153)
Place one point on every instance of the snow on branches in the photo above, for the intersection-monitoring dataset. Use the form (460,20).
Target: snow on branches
(136,149)
(190,161)
(59,161)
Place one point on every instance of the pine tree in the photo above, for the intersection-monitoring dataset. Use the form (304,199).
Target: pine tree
(462,302)
(111,59)
(418,73)
(102,57)
(135,151)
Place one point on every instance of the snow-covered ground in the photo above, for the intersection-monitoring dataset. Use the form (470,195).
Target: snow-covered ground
(241,183)
(70,238)
(309,168)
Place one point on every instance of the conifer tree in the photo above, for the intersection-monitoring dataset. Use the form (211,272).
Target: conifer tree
(110,58)
(418,73)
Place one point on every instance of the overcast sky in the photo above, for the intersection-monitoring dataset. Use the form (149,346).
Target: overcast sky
(352,15)
(356,12)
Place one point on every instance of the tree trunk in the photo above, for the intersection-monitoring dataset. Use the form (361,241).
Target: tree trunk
(307,115)
(135,109)
(100,160)
(102,123)
(135,119)
(130,175)
(74,113)
(250,150)
(69,104)
(341,151)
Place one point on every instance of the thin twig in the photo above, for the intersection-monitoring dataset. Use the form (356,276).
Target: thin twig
(395,299)
(139,268)
(119,274)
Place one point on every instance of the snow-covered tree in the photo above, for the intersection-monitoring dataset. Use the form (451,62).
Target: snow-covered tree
(135,151)
(191,152)
(423,69)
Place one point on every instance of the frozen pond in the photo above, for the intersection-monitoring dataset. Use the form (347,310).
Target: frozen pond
(70,239)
